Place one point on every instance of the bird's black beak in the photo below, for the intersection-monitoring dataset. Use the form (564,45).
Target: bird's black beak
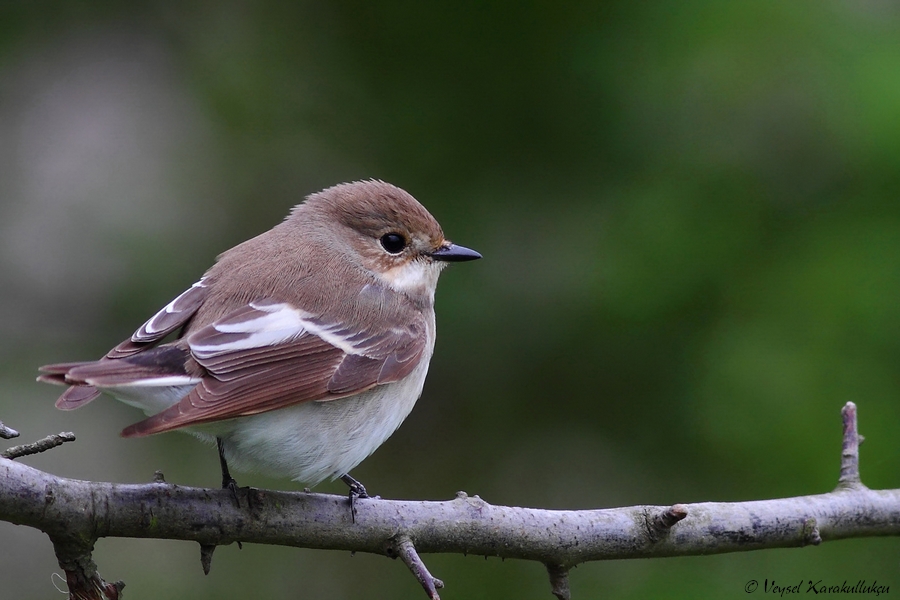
(454,253)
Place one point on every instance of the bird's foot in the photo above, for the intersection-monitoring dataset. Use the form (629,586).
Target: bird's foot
(357,490)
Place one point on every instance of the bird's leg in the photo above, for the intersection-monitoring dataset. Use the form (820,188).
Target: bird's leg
(357,490)
(228,482)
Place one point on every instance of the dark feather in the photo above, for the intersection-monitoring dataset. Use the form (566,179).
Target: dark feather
(74,397)
(180,311)
(151,363)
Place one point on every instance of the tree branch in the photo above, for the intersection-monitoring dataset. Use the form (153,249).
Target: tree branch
(76,513)
(7,433)
(402,546)
(42,445)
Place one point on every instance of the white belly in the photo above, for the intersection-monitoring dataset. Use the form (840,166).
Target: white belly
(313,441)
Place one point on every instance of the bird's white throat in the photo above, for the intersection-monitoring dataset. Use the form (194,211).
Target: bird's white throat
(414,276)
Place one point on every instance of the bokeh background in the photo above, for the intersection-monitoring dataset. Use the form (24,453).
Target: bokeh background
(689,215)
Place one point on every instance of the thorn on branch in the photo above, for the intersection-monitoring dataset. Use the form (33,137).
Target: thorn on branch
(403,548)
(206,554)
(559,581)
(667,518)
(659,524)
(7,433)
(42,445)
(850,449)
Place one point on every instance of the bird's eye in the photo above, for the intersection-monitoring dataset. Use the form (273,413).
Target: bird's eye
(394,243)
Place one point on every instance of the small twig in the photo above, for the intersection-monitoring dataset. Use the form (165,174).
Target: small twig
(403,547)
(660,523)
(42,445)
(559,581)
(850,449)
(7,433)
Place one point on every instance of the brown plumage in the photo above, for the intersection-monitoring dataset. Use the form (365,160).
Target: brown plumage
(334,301)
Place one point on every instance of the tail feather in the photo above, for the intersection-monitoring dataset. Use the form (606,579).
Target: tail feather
(163,366)
(74,397)
(55,379)
(56,373)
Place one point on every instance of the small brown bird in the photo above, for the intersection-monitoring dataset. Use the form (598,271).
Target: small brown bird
(301,350)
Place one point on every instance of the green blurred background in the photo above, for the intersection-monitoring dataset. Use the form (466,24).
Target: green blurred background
(688,211)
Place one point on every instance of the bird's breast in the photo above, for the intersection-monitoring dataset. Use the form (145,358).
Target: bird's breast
(314,441)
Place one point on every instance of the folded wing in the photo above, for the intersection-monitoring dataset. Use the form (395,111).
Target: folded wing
(269,355)
(176,314)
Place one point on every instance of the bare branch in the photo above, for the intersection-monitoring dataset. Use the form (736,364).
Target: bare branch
(74,514)
(403,547)
(81,573)
(42,445)
(470,525)
(7,433)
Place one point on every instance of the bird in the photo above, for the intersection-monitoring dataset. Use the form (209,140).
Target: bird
(301,350)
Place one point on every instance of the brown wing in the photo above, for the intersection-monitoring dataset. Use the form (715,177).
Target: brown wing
(174,315)
(270,355)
